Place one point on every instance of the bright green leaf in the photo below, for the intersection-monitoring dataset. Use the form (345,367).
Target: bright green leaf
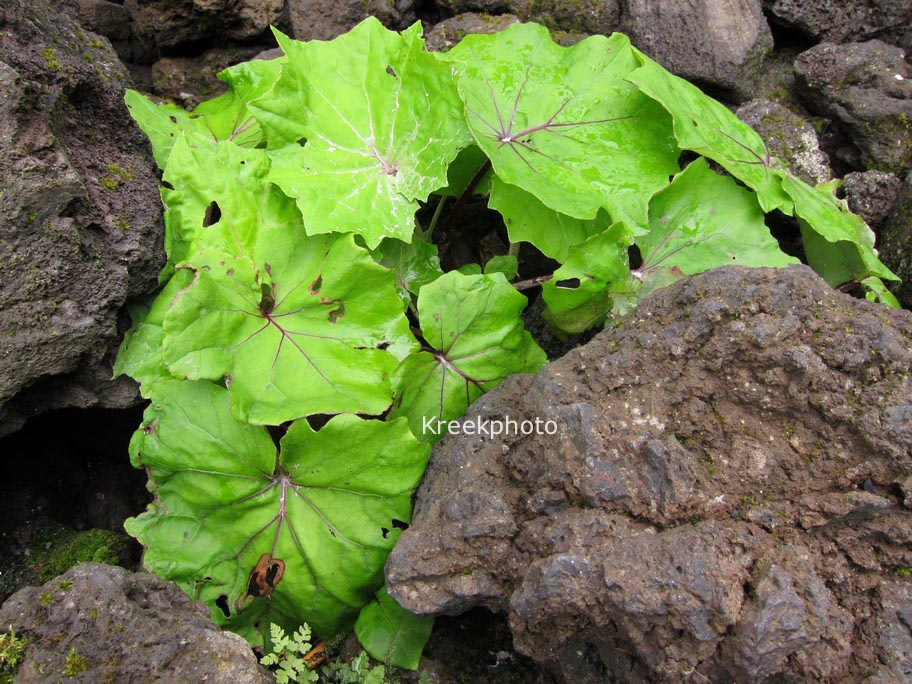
(140,353)
(415,264)
(528,220)
(327,509)
(392,634)
(563,124)
(876,291)
(706,126)
(300,325)
(701,221)
(475,339)
(230,209)
(506,264)
(579,295)
(382,121)
(224,118)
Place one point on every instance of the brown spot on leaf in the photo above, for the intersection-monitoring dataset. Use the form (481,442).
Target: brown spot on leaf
(316,285)
(265,576)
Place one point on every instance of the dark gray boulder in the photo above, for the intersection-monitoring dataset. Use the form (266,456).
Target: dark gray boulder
(872,194)
(445,34)
(789,137)
(166,27)
(843,21)
(717,502)
(865,89)
(112,625)
(80,214)
(895,242)
(327,19)
(716,42)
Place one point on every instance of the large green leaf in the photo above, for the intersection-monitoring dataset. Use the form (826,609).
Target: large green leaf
(140,353)
(528,220)
(706,126)
(300,325)
(382,121)
(415,264)
(563,124)
(475,338)
(580,295)
(701,221)
(223,118)
(328,507)
(230,209)
(838,244)
(392,634)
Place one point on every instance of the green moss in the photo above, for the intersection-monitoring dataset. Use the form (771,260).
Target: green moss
(75,664)
(45,599)
(58,551)
(12,651)
(108,184)
(122,173)
(50,59)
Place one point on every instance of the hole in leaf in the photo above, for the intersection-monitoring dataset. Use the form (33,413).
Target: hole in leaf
(385,532)
(390,71)
(267,298)
(213,214)
(173,119)
(167,185)
(568,284)
(400,524)
(301,141)
(222,603)
(316,285)
(383,346)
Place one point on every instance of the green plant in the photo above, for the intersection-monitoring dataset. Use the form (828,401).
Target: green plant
(287,656)
(12,651)
(75,664)
(305,334)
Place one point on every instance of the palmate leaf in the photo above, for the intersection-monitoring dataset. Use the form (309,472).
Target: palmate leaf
(703,220)
(300,325)
(580,296)
(707,127)
(392,634)
(563,124)
(223,118)
(475,339)
(325,511)
(140,353)
(528,220)
(230,209)
(382,121)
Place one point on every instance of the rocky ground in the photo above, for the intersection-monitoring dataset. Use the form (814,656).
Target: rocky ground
(812,563)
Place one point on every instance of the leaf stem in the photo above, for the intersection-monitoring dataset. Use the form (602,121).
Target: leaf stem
(532,282)
(429,233)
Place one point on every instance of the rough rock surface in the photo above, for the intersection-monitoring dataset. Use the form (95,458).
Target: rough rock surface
(161,27)
(447,33)
(327,19)
(128,628)
(190,80)
(717,502)
(895,242)
(843,21)
(872,194)
(80,214)
(789,137)
(586,17)
(865,87)
(716,42)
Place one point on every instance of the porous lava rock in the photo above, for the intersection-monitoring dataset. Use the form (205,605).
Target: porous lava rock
(843,21)
(895,242)
(327,19)
(789,137)
(166,27)
(872,194)
(80,214)
(716,500)
(111,625)
(716,42)
(445,34)
(865,89)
